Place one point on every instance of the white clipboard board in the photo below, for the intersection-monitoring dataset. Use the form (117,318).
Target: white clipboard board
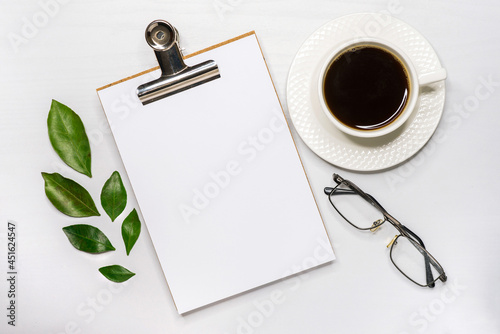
(218,178)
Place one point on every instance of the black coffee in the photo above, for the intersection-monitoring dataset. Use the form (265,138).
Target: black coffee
(366,88)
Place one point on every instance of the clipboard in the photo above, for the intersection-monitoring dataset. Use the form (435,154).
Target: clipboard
(217,175)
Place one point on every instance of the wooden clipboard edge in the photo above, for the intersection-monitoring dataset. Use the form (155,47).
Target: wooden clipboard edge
(185,57)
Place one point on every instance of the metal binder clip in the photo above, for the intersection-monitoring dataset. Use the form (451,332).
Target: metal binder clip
(176,76)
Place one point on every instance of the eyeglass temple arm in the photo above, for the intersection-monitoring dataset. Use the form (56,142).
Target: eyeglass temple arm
(328,191)
(428,271)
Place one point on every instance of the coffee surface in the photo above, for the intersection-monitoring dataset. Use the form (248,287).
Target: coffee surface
(366,88)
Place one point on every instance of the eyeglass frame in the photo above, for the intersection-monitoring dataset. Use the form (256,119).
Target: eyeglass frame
(403,230)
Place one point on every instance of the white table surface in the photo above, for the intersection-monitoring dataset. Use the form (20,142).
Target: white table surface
(448,193)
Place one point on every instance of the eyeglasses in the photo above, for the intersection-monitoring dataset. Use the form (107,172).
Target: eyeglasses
(408,253)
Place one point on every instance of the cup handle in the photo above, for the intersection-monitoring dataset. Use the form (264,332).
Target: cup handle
(432,77)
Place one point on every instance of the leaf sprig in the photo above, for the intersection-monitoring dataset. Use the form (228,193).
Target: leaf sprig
(131,228)
(114,196)
(116,273)
(68,196)
(69,139)
(88,239)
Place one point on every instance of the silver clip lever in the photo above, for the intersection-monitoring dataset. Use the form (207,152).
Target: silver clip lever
(176,76)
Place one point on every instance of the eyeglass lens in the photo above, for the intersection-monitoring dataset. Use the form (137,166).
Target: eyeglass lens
(355,209)
(409,257)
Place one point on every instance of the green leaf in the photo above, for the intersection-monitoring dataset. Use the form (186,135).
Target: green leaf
(114,196)
(88,239)
(131,229)
(116,273)
(68,138)
(68,196)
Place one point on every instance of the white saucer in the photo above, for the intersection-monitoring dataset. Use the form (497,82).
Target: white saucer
(322,137)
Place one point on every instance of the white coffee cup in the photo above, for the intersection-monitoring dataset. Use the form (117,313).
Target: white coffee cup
(415,82)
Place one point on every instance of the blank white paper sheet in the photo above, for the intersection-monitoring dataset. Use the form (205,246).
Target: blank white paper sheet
(218,179)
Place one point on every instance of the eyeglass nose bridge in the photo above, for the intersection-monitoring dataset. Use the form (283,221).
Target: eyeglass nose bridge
(393,241)
(376,225)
